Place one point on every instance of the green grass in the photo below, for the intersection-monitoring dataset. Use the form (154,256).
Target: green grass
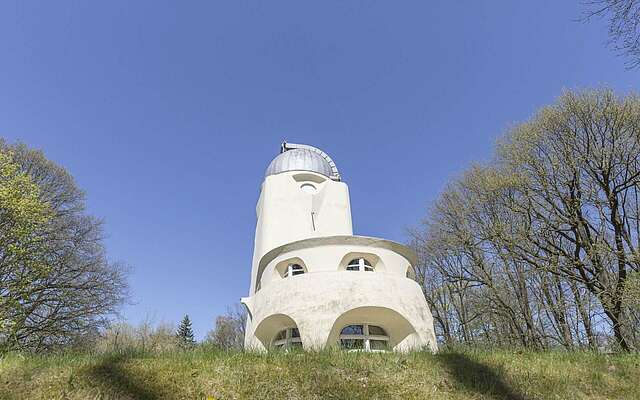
(326,375)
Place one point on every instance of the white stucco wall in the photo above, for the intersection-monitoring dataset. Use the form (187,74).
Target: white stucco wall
(285,212)
(315,230)
(321,304)
(320,257)
(327,297)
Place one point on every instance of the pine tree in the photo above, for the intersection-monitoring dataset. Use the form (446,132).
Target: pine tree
(185,333)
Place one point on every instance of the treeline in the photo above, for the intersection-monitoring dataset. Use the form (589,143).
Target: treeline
(122,337)
(539,247)
(58,289)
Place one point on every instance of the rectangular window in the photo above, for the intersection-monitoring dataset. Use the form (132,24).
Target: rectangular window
(350,344)
(376,330)
(378,344)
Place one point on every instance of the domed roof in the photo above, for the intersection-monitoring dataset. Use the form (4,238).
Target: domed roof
(294,157)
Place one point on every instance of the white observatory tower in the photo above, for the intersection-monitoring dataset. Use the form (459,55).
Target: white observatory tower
(313,283)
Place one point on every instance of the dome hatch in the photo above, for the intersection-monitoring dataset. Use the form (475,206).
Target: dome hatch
(301,157)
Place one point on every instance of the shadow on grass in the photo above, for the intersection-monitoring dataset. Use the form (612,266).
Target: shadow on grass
(111,376)
(477,377)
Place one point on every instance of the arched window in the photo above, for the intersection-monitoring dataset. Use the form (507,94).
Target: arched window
(359,264)
(308,188)
(293,270)
(287,339)
(364,337)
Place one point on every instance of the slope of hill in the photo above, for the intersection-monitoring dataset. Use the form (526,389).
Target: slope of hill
(326,375)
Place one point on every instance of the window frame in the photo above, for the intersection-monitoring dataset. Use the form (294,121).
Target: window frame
(286,342)
(290,271)
(365,336)
(363,265)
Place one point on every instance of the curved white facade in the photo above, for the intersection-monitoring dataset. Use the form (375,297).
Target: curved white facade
(304,224)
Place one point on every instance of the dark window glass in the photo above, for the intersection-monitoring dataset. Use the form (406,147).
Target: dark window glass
(352,343)
(293,269)
(295,332)
(378,344)
(354,265)
(376,330)
(352,330)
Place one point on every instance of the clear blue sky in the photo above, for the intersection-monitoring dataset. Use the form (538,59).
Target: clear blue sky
(167,113)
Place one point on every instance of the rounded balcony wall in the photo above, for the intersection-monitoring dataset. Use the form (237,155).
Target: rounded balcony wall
(317,301)
(322,255)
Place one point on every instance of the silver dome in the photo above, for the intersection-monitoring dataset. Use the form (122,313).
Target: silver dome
(300,157)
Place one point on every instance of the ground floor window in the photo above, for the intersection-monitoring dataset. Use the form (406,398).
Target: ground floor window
(364,337)
(287,339)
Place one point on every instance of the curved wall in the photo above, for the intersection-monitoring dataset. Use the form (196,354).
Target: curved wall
(304,217)
(287,213)
(317,301)
(319,257)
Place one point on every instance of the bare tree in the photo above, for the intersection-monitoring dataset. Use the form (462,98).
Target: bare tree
(624,25)
(80,288)
(121,337)
(542,240)
(578,164)
(229,330)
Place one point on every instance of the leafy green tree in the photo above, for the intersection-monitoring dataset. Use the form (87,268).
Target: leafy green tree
(56,283)
(22,215)
(185,334)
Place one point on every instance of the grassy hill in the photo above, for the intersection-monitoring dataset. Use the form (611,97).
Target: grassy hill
(326,375)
